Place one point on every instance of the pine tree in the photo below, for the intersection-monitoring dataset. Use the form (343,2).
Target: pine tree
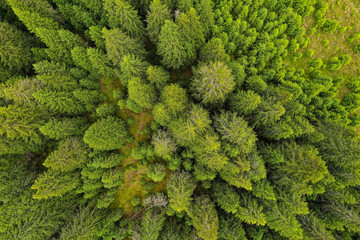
(206,14)
(205,218)
(173,47)
(191,28)
(15,52)
(144,95)
(214,51)
(152,223)
(22,90)
(64,127)
(107,134)
(158,76)
(70,155)
(235,130)
(100,63)
(180,188)
(175,98)
(132,67)
(60,102)
(164,146)
(36,14)
(212,82)
(55,184)
(122,15)
(245,102)
(118,45)
(60,43)
(156,18)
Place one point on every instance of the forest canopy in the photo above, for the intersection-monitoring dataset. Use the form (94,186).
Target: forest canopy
(179,119)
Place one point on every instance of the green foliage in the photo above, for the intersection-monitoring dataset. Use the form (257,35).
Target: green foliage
(351,101)
(122,15)
(191,28)
(141,93)
(212,82)
(62,128)
(235,130)
(156,18)
(118,45)
(54,183)
(245,102)
(15,52)
(152,224)
(214,51)
(70,155)
(180,188)
(164,146)
(205,218)
(107,134)
(156,172)
(158,76)
(59,101)
(173,47)
(175,98)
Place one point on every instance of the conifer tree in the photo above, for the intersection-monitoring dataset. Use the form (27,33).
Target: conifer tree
(107,134)
(60,102)
(55,184)
(156,18)
(15,52)
(191,28)
(122,15)
(180,188)
(205,218)
(142,94)
(164,146)
(158,76)
(173,47)
(118,44)
(175,98)
(212,82)
(63,127)
(36,14)
(245,102)
(70,155)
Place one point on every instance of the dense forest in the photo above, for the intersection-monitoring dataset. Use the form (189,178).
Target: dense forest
(179,119)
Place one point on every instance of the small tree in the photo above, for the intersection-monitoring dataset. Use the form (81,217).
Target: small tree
(156,172)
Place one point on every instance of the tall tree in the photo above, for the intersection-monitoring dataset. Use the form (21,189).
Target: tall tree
(15,47)
(156,18)
(180,188)
(174,49)
(205,218)
(107,134)
(118,44)
(71,154)
(122,15)
(212,82)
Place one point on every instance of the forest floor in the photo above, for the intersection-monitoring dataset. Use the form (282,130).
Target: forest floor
(133,174)
(328,45)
